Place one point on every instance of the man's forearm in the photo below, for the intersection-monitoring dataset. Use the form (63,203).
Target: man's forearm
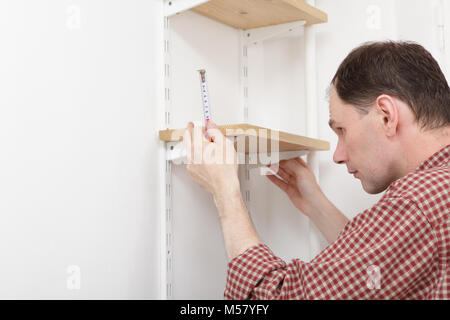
(237,228)
(328,219)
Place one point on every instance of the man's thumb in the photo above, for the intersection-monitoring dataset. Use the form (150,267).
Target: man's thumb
(210,125)
(212,130)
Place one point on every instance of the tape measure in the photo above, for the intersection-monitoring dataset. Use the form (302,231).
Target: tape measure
(205,97)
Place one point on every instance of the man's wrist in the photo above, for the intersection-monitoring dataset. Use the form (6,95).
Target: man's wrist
(227,197)
(230,186)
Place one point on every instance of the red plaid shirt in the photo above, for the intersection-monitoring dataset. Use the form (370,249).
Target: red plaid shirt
(398,249)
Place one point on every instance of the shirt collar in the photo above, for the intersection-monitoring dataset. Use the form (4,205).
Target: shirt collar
(439,159)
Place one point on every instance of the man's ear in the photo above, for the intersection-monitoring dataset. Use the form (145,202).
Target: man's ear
(388,114)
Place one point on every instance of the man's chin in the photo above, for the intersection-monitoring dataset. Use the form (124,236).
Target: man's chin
(372,188)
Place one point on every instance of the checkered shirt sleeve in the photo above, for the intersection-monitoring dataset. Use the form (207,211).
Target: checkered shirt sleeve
(386,252)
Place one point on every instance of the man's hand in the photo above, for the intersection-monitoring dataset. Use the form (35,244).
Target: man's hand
(212,164)
(300,185)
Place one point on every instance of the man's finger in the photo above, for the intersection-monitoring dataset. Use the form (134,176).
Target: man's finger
(190,130)
(212,131)
(279,183)
(210,125)
(282,173)
(187,139)
(291,166)
(301,161)
(197,138)
(284,164)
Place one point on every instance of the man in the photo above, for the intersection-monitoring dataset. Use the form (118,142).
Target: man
(390,108)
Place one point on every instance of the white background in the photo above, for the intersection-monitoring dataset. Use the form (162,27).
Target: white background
(80,108)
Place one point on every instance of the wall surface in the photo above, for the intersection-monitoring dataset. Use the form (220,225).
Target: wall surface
(78,194)
(80,107)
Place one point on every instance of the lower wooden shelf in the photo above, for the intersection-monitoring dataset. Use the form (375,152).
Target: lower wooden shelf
(286,141)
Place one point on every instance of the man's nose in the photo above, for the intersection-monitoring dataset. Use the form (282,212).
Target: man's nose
(339,156)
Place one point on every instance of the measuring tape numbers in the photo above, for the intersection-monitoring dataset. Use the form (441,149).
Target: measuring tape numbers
(205,98)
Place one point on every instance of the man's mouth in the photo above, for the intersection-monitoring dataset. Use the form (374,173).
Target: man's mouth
(354,173)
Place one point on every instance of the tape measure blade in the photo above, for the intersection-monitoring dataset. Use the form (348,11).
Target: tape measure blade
(205,96)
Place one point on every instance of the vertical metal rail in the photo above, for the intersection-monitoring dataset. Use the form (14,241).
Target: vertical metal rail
(445,7)
(439,12)
(312,120)
(244,74)
(166,236)
(244,172)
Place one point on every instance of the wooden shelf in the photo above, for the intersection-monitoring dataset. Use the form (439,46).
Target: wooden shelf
(249,14)
(287,141)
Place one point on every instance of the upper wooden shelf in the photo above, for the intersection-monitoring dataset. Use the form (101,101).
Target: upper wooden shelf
(287,141)
(249,14)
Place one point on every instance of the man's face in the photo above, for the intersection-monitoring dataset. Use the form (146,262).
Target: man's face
(362,145)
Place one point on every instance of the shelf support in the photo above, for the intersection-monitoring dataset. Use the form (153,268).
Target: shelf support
(165,223)
(172,7)
(316,240)
(256,35)
(176,152)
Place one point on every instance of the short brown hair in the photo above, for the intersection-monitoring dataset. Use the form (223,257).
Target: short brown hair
(401,69)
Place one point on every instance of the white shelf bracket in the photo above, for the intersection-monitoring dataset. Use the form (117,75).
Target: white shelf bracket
(176,151)
(172,7)
(257,35)
(284,155)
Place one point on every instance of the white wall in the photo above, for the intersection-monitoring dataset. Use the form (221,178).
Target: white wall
(80,106)
(78,136)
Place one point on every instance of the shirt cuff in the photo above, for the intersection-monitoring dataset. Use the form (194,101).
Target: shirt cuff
(248,269)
